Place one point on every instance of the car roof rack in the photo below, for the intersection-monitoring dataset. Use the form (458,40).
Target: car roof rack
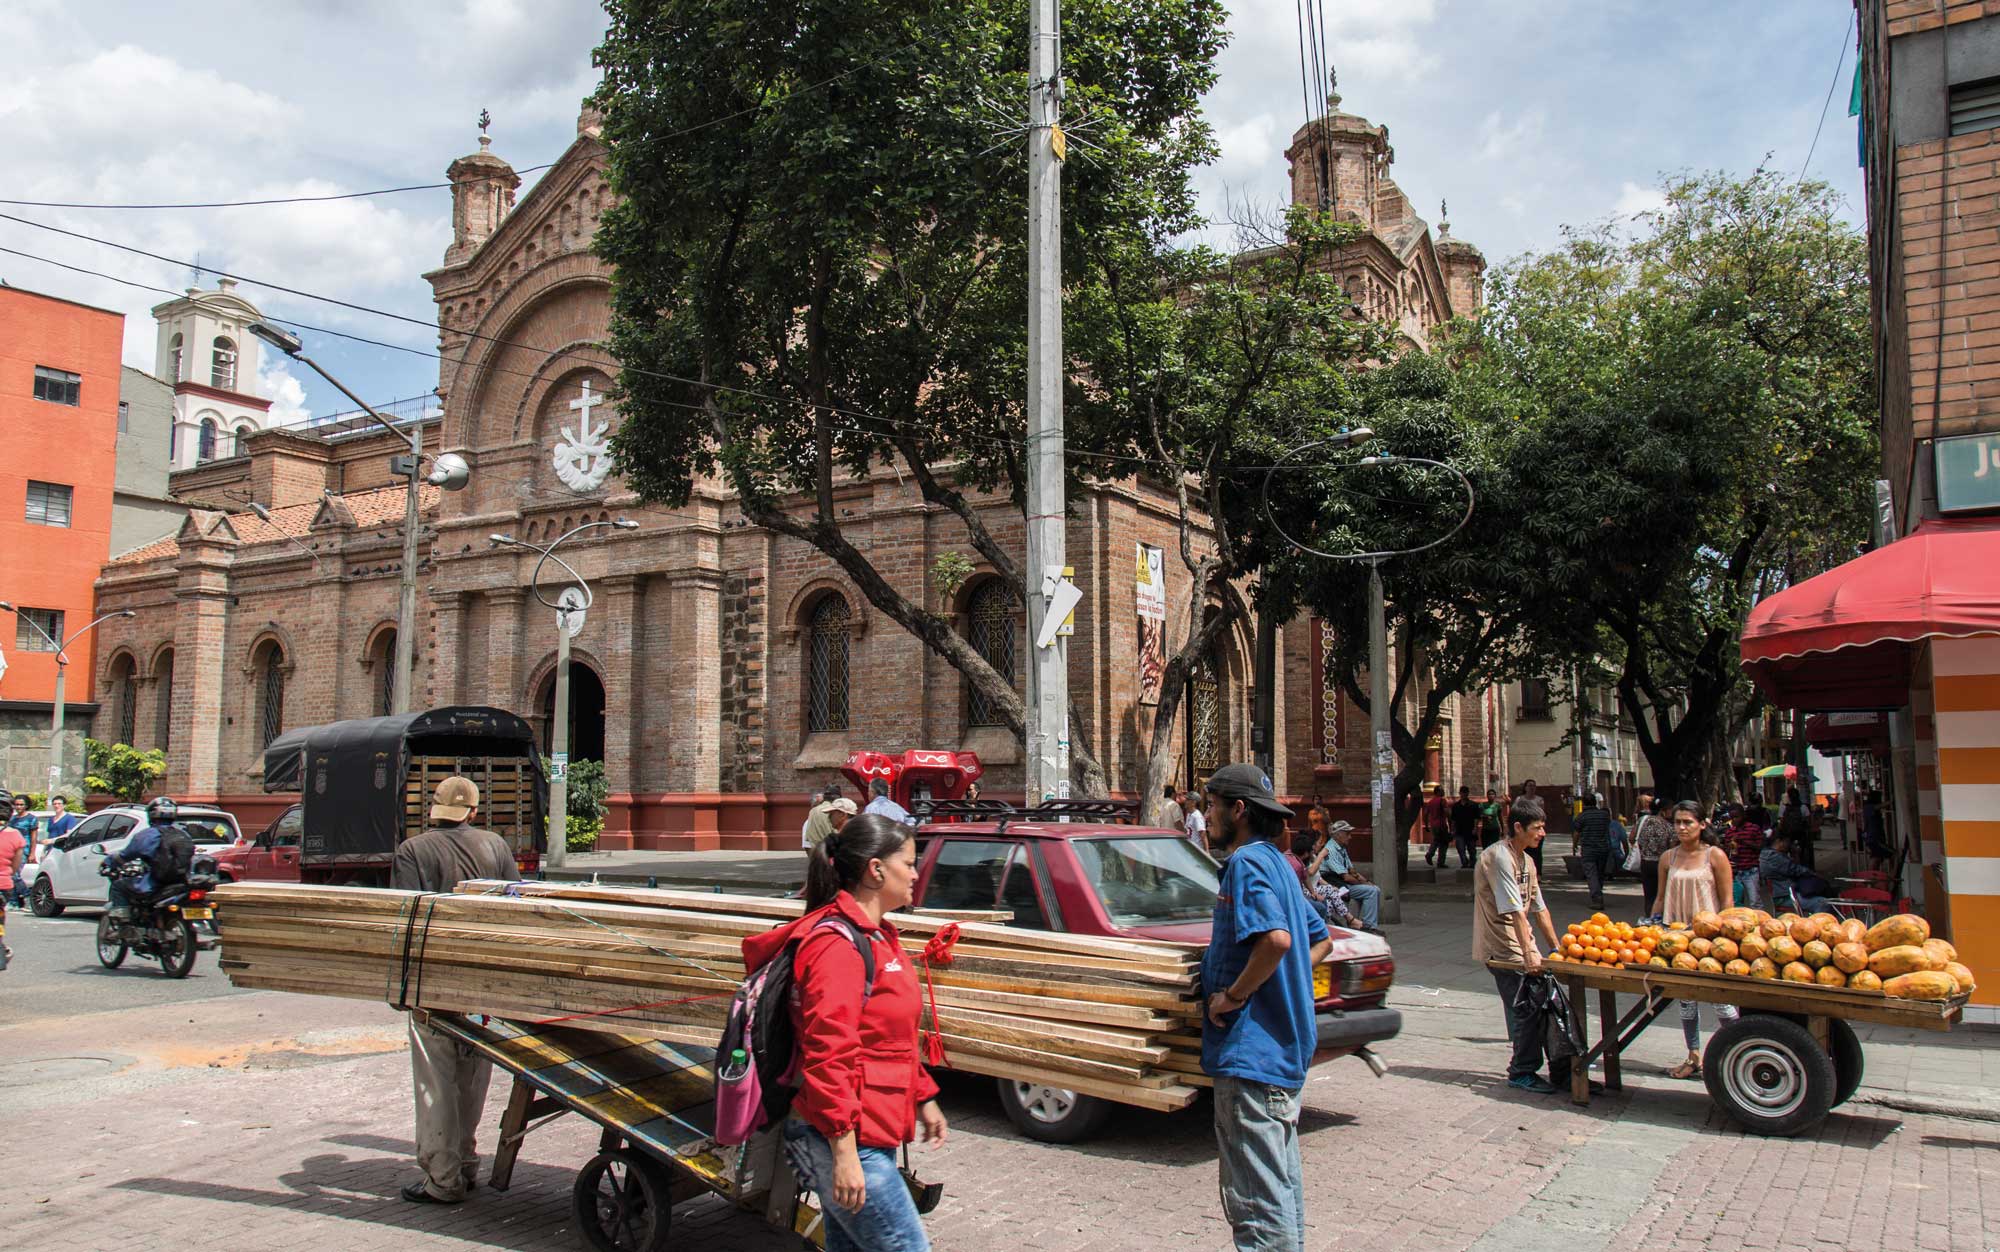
(1123,812)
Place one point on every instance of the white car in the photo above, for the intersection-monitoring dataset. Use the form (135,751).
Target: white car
(67,873)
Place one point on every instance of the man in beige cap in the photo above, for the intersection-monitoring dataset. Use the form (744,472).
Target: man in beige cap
(450,1077)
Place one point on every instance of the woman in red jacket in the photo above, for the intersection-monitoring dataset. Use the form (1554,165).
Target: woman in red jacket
(864,1091)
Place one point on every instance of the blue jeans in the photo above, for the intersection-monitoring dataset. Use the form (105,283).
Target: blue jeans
(1263,1179)
(888,1220)
(1366,898)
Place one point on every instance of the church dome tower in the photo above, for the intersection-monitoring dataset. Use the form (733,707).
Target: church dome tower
(482,194)
(206,351)
(1340,163)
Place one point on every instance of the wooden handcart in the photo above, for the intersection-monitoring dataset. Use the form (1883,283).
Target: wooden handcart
(1779,1069)
(654,1105)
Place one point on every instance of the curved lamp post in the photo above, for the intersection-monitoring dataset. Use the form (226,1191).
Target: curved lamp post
(558,852)
(61,647)
(1388,861)
(448,470)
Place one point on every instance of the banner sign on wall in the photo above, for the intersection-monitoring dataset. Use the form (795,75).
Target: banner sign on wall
(1152,594)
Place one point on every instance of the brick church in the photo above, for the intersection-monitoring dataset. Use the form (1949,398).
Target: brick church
(722,672)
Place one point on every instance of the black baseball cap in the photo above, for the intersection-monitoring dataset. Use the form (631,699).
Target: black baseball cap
(1246,782)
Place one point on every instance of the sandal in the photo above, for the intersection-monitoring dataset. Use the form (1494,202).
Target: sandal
(1689,1068)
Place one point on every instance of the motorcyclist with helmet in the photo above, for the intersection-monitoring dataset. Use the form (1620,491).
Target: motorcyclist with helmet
(166,849)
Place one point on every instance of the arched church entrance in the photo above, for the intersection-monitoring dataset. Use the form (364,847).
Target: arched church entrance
(586,712)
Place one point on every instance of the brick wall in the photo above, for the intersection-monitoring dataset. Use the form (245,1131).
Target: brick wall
(1907,17)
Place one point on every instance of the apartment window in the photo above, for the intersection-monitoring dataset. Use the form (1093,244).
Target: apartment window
(57,386)
(124,415)
(48,503)
(223,372)
(1975,106)
(37,630)
(1535,700)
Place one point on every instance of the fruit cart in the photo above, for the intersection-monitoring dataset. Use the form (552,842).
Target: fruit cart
(1790,1059)
(654,1102)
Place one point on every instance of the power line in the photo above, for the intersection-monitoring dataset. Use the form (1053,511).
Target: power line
(1838,61)
(246,204)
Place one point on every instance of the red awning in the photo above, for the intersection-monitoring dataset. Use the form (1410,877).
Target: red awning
(1836,733)
(1844,640)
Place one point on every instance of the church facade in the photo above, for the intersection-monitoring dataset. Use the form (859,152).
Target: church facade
(721,672)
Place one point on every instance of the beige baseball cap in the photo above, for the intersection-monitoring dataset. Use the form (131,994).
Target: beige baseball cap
(454,799)
(842,805)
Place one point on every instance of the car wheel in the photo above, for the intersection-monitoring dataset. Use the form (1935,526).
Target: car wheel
(1052,1114)
(42,899)
(110,949)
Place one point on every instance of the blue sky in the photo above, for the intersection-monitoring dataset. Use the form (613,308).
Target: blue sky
(1526,116)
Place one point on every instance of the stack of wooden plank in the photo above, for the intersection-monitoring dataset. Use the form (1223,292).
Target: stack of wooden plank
(1108,1017)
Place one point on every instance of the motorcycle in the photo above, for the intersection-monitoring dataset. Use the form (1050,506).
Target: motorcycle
(161,927)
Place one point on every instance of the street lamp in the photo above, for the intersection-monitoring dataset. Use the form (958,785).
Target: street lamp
(559,731)
(61,647)
(1381,788)
(448,471)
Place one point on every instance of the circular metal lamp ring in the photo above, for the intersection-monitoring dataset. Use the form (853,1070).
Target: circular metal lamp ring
(1365,463)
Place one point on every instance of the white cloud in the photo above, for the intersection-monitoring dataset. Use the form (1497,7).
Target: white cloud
(286,394)
(1505,137)
(1634,199)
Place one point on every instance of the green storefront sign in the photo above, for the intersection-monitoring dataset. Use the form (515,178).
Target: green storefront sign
(1968,473)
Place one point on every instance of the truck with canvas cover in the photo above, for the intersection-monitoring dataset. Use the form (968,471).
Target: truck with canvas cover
(364,786)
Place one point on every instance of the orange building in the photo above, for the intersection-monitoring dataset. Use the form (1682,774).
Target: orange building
(59,381)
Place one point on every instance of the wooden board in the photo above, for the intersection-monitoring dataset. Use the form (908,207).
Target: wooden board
(1768,995)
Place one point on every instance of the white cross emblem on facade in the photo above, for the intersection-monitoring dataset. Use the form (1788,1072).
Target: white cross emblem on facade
(583,455)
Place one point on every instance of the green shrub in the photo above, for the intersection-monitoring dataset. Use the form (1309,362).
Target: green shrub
(121,770)
(583,832)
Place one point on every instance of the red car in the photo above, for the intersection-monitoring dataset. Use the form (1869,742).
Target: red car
(272,856)
(1097,878)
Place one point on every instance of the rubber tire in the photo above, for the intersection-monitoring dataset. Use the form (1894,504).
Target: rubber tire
(645,1194)
(1086,1115)
(1847,1062)
(104,920)
(42,900)
(1770,1041)
(185,965)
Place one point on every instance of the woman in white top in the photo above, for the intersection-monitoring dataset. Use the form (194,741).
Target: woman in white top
(1694,878)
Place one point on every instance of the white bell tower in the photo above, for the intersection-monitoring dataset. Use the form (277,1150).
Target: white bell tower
(206,351)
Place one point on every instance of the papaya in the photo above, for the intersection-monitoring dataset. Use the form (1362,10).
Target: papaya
(1671,944)
(1723,949)
(1687,960)
(1753,946)
(1702,947)
(1784,950)
(1862,980)
(1738,967)
(1763,968)
(1708,965)
(1941,952)
(1850,957)
(1853,930)
(1830,976)
(1827,921)
(1816,954)
(1706,924)
(1773,927)
(1797,971)
(1734,927)
(1923,985)
(1962,976)
(1904,929)
(1804,930)
(1658,962)
(1903,959)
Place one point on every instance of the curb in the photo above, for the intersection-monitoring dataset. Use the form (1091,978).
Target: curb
(1928,1108)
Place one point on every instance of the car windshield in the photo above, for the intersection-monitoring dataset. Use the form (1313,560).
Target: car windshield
(204,829)
(1156,880)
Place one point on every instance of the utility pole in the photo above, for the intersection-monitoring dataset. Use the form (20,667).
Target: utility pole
(1388,851)
(1048,676)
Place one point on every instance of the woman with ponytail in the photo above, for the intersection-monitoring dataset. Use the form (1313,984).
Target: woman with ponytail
(863,1092)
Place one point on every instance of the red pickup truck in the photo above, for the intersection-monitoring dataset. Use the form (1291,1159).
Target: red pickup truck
(1098,878)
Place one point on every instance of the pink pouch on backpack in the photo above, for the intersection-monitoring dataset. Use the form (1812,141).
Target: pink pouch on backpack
(739,1093)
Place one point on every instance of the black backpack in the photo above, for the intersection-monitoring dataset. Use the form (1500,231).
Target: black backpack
(760,1023)
(175,857)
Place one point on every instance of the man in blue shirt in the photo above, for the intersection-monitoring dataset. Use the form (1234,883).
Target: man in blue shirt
(1258,1033)
(1339,870)
(881,803)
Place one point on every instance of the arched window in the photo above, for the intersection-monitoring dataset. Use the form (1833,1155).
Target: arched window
(826,666)
(384,673)
(163,701)
(270,678)
(991,632)
(174,359)
(205,449)
(125,681)
(222,373)
(236,447)
(1205,721)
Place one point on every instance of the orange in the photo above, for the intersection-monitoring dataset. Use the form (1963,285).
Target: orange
(1599,918)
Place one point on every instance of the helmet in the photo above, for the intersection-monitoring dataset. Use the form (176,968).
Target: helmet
(160,810)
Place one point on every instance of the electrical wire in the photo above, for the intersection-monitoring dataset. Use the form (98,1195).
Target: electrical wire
(1831,87)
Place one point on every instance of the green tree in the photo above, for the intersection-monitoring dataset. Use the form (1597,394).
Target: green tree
(121,770)
(821,249)
(1695,407)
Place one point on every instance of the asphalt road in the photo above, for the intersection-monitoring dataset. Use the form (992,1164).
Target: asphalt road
(55,972)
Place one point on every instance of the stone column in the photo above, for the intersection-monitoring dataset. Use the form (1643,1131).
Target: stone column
(505,663)
(447,682)
(620,599)
(694,698)
(202,690)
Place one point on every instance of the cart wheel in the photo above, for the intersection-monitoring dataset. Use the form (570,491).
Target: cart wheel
(1846,1060)
(1769,1074)
(621,1203)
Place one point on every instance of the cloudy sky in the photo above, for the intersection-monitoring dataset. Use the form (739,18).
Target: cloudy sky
(1526,115)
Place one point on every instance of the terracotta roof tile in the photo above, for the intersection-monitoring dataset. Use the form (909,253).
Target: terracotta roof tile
(380,507)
